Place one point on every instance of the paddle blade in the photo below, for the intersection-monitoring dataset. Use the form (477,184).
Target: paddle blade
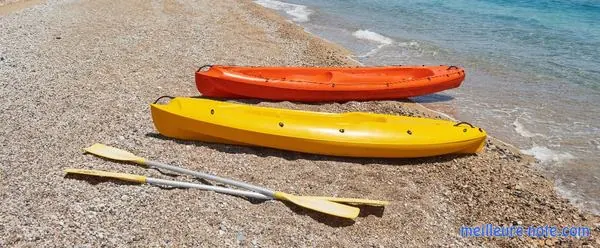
(352,201)
(319,205)
(113,153)
(115,175)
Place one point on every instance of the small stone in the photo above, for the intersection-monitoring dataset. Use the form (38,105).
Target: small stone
(58,37)
(559,219)
(549,242)
(124,198)
(1,58)
(518,186)
(240,236)
(121,137)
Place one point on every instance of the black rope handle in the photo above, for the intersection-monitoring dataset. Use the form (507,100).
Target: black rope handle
(204,66)
(452,67)
(464,122)
(170,97)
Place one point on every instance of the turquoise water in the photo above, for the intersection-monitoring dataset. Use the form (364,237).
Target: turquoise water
(533,69)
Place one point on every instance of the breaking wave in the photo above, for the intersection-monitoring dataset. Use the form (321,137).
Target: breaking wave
(299,13)
(365,34)
(545,155)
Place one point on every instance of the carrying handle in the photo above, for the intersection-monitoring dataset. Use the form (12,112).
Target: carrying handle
(452,67)
(464,122)
(170,97)
(203,67)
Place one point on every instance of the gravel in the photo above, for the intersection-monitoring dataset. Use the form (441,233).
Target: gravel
(74,73)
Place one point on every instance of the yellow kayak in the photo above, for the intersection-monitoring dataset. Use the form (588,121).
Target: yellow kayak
(354,134)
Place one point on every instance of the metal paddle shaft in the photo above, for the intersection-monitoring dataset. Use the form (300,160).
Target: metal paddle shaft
(264,191)
(320,205)
(178,184)
(162,182)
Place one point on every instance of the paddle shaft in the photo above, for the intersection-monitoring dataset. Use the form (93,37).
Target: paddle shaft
(264,191)
(178,184)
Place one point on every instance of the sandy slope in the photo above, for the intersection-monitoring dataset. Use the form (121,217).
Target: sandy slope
(73,73)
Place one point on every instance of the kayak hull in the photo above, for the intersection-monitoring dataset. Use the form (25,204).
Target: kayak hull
(348,134)
(318,84)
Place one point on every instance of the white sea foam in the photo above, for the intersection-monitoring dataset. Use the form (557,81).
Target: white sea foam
(299,13)
(520,129)
(545,155)
(365,34)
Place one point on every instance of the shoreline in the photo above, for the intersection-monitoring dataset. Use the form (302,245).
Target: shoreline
(418,107)
(577,198)
(101,63)
(354,62)
(536,126)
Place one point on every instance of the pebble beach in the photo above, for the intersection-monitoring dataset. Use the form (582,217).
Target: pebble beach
(74,73)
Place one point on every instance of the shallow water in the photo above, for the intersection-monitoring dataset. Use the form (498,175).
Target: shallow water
(533,76)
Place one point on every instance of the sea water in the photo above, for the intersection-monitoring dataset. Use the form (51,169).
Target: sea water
(533,68)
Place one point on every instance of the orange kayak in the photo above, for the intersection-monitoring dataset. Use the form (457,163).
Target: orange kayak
(316,84)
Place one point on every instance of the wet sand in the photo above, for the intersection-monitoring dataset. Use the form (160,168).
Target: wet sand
(73,73)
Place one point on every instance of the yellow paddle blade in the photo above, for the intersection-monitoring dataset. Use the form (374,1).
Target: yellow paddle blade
(115,175)
(352,201)
(319,205)
(113,153)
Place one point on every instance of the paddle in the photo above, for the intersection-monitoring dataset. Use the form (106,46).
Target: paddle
(320,204)
(178,184)
(162,182)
